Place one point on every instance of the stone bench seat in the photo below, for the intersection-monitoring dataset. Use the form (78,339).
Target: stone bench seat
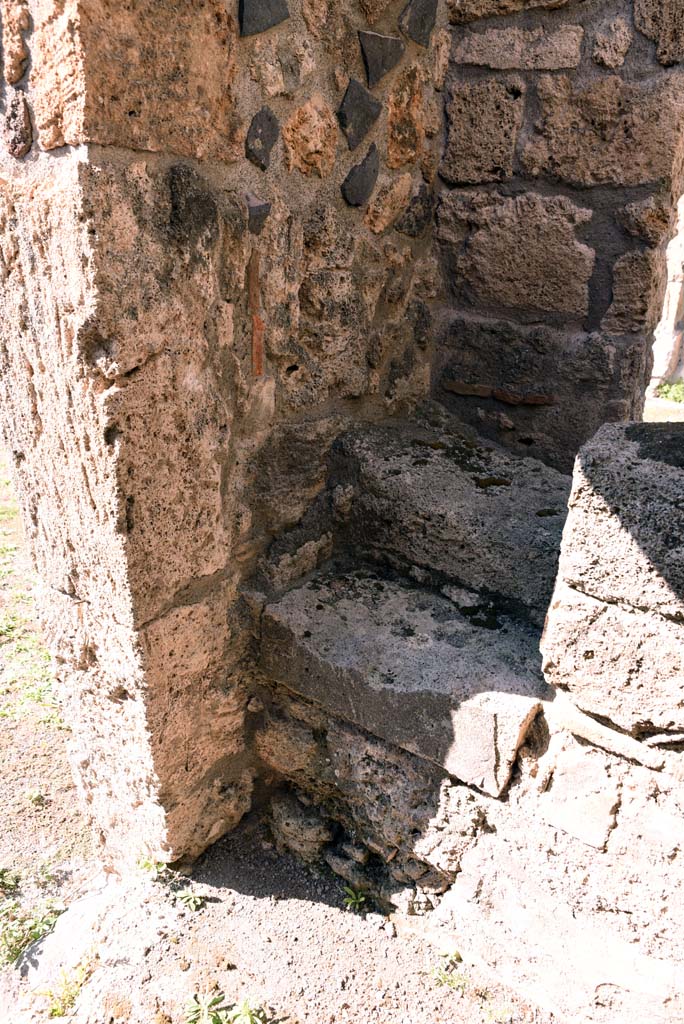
(458,687)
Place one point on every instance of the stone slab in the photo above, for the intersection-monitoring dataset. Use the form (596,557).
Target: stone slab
(442,501)
(404,664)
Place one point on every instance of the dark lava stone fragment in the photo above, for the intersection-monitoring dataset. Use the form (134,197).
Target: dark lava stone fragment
(358,113)
(417,216)
(418,20)
(257,211)
(360,182)
(260,15)
(380,54)
(262,137)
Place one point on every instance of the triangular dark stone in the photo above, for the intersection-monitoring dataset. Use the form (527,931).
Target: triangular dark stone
(358,113)
(380,54)
(418,20)
(360,182)
(262,137)
(260,15)
(257,211)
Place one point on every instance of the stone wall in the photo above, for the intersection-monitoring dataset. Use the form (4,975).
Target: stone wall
(564,154)
(229,232)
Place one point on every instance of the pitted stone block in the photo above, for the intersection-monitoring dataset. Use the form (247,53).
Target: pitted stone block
(407,666)
(615,632)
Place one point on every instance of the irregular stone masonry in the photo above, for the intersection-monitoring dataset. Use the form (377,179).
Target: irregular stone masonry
(232,231)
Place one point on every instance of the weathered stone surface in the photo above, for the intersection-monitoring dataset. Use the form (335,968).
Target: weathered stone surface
(610,132)
(441,501)
(18,131)
(510,48)
(297,828)
(639,281)
(380,55)
(614,632)
(257,213)
(648,219)
(612,43)
(310,138)
(260,15)
(261,138)
(482,362)
(374,9)
(406,119)
(582,799)
(662,21)
(358,113)
(484,119)
(358,186)
(417,217)
(379,655)
(388,202)
(418,20)
(106,73)
(461,11)
(16,21)
(485,234)
(616,662)
(629,479)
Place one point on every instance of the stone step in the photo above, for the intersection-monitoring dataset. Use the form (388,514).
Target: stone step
(406,665)
(445,501)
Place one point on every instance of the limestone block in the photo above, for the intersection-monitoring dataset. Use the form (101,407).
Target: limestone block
(639,282)
(612,43)
(379,656)
(461,11)
(157,77)
(610,132)
(526,387)
(484,119)
(617,662)
(663,22)
(614,635)
(520,253)
(310,138)
(16,22)
(509,48)
(406,118)
(624,540)
(581,797)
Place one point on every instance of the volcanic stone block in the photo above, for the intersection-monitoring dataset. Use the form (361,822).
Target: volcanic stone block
(444,502)
(418,20)
(662,21)
(358,113)
(406,666)
(17,127)
(358,186)
(509,48)
(484,119)
(485,235)
(380,54)
(261,138)
(610,132)
(310,138)
(615,632)
(260,15)
(257,213)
